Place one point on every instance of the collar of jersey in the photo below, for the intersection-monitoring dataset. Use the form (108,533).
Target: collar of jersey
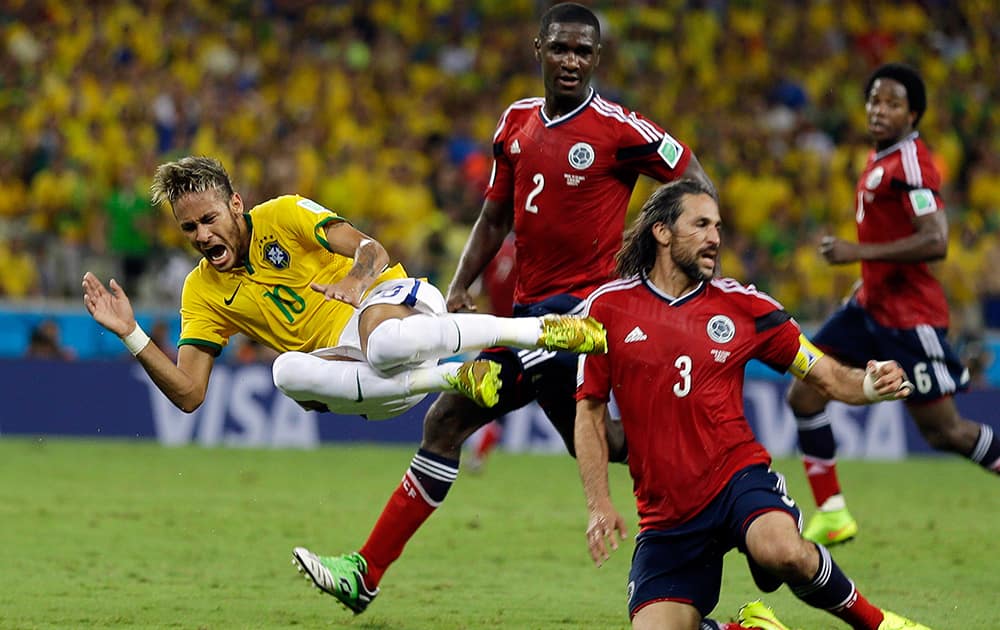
(910,137)
(669,299)
(561,119)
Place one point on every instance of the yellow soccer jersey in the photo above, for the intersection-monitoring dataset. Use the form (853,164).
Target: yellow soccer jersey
(269,298)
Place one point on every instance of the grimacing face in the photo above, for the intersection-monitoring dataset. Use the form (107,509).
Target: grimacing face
(214,226)
(568,53)
(888,111)
(696,237)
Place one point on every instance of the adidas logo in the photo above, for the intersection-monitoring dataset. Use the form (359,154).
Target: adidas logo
(635,335)
(516,147)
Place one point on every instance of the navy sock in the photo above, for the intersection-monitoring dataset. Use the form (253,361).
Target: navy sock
(987,450)
(816,436)
(435,474)
(829,589)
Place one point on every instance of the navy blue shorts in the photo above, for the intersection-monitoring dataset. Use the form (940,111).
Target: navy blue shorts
(853,337)
(684,564)
(543,375)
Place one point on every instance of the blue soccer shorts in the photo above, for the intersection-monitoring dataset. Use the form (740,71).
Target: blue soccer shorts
(684,563)
(853,337)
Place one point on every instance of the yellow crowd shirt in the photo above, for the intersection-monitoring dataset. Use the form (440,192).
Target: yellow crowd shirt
(269,298)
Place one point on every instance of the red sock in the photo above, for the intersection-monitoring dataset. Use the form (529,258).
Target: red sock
(490,437)
(822,476)
(860,613)
(401,517)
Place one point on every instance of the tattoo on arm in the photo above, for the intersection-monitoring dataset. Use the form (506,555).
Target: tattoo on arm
(364,261)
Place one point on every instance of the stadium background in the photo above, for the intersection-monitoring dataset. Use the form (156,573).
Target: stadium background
(385,113)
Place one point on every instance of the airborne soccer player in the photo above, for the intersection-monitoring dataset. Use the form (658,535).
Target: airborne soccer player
(357,336)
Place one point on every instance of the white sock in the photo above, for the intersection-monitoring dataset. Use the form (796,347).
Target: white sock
(417,338)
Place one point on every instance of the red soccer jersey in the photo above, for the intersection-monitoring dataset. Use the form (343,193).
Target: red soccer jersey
(676,367)
(570,180)
(898,184)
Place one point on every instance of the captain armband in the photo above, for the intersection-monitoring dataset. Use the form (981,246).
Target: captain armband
(805,358)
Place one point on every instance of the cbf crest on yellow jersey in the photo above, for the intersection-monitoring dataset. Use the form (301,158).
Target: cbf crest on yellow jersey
(269,298)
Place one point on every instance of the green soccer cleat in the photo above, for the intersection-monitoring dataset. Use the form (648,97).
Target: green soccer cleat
(479,381)
(584,335)
(757,615)
(892,621)
(831,528)
(340,576)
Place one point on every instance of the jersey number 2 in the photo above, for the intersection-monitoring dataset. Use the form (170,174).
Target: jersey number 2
(529,205)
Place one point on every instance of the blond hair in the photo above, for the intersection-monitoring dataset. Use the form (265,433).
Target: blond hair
(191,174)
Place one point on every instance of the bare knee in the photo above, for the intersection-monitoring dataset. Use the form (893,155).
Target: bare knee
(449,422)
(945,430)
(774,543)
(791,559)
(805,400)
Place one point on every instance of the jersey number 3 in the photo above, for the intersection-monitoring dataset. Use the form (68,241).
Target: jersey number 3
(683,387)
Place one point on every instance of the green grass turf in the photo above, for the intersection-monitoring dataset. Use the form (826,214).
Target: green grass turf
(120,534)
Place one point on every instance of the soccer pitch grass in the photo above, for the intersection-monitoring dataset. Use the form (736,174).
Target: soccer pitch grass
(128,534)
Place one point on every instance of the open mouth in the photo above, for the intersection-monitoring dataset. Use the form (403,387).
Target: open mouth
(216,254)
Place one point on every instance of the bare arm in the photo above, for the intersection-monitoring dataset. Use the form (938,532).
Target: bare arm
(592,459)
(494,223)
(928,243)
(184,384)
(886,381)
(370,259)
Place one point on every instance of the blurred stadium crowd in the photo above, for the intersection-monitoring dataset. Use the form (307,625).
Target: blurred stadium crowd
(384,111)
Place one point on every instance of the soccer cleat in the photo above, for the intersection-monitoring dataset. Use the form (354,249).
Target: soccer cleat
(340,576)
(585,335)
(757,615)
(831,528)
(892,621)
(478,380)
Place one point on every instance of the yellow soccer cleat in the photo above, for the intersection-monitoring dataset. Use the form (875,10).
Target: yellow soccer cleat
(757,615)
(479,381)
(585,335)
(892,621)
(831,528)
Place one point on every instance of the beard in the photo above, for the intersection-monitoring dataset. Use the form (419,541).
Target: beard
(688,262)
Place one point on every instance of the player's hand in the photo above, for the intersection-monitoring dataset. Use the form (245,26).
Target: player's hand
(348,290)
(110,307)
(837,251)
(459,301)
(886,380)
(605,528)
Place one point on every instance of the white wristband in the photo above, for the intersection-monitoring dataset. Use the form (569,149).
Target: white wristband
(868,385)
(136,340)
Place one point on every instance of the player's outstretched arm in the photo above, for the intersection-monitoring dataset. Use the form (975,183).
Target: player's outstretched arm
(370,259)
(185,383)
(605,525)
(880,381)
(494,223)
